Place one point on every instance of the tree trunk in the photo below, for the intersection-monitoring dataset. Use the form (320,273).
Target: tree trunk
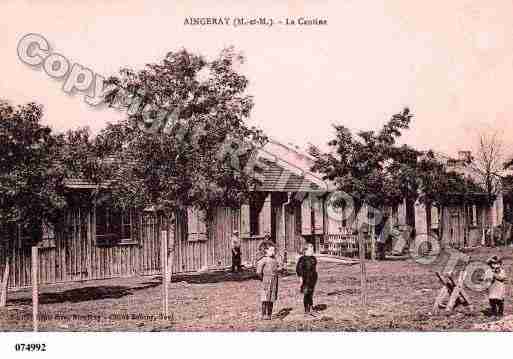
(441,225)
(5,281)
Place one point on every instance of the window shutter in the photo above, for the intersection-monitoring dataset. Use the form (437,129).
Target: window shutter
(244,221)
(401,213)
(306,216)
(434,216)
(264,217)
(202,225)
(196,225)
(318,216)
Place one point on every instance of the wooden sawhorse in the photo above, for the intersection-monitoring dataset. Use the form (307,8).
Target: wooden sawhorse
(453,291)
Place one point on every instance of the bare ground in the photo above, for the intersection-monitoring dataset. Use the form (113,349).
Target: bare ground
(400,297)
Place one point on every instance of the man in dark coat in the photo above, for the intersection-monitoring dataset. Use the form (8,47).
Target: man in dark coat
(307,269)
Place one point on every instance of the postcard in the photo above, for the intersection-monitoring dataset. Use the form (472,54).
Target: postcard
(260,166)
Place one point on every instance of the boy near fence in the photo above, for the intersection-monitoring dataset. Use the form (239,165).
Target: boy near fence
(267,270)
(497,288)
(306,268)
(382,232)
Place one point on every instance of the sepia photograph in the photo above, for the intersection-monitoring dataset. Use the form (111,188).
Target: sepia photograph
(316,171)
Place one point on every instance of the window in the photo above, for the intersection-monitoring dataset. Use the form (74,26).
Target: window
(113,227)
(254,219)
(48,239)
(318,213)
(255,216)
(26,235)
(126,226)
(306,216)
(434,217)
(196,225)
(473,215)
(395,214)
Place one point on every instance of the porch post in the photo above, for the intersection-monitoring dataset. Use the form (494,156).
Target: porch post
(283,231)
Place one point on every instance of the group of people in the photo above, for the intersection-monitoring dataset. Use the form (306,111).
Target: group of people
(267,270)
(268,267)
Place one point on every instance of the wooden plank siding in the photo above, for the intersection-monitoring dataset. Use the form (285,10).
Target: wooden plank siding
(76,256)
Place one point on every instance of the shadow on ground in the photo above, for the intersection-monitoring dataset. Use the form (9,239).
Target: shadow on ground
(217,277)
(320,307)
(84,294)
(283,313)
(89,293)
(346,291)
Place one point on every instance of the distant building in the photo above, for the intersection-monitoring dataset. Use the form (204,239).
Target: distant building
(464,224)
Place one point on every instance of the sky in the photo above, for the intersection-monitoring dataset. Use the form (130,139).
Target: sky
(450,62)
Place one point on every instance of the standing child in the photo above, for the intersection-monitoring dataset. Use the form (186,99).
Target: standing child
(307,269)
(267,270)
(497,288)
(236,252)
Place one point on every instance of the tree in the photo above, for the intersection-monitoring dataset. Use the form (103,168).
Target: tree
(373,169)
(362,166)
(81,156)
(31,183)
(183,163)
(365,166)
(187,160)
(441,187)
(488,162)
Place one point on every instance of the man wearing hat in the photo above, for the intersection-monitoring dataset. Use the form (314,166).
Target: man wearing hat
(497,288)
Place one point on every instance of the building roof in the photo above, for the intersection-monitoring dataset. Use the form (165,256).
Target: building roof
(287,170)
(276,178)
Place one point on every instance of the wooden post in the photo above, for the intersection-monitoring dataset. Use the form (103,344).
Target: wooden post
(165,273)
(372,233)
(283,234)
(363,274)
(35,288)
(5,282)
(441,226)
(170,253)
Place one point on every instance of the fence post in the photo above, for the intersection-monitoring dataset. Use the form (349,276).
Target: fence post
(35,288)
(372,232)
(165,273)
(363,274)
(5,283)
